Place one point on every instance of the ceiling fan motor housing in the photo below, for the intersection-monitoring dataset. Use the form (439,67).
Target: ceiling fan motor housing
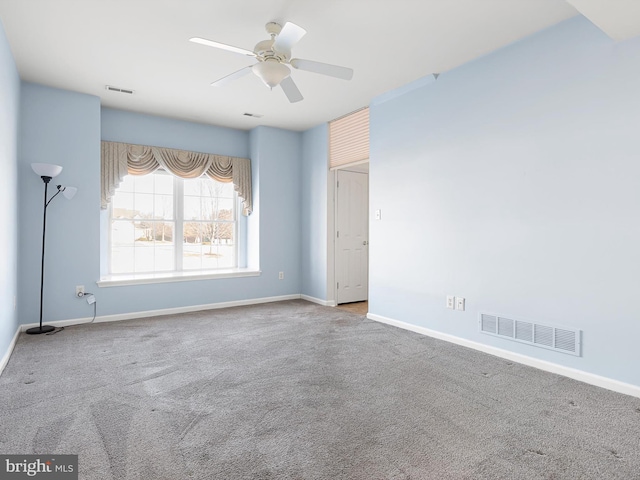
(264,50)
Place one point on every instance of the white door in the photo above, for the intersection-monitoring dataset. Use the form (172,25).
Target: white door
(352,236)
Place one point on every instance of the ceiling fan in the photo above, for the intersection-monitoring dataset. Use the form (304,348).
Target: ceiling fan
(273,56)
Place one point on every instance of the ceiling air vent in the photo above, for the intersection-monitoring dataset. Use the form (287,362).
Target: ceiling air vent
(254,115)
(119,90)
(560,339)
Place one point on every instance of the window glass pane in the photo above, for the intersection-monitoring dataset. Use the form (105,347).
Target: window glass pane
(143,203)
(203,253)
(224,233)
(210,256)
(191,232)
(165,256)
(121,259)
(192,208)
(144,183)
(143,260)
(192,246)
(225,209)
(143,233)
(208,231)
(211,188)
(164,246)
(191,258)
(163,184)
(227,190)
(122,233)
(127,184)
(224,241)
(192,186)
(162,232)
(226,256)
(209,207)
(163,207)
(154,248)
(122,205)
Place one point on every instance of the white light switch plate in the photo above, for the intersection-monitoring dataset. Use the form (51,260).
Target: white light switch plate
(459,303)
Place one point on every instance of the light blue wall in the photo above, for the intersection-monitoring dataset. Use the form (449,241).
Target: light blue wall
(314,211)
(513,181)
(253,221)
(129,127)
(278,153)
(9,119)
(278,156)
(63,128)
(275,234)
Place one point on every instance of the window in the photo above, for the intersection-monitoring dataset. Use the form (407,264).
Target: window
(349,139)
(162,223)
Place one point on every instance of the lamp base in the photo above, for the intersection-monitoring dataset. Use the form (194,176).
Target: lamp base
(42,329)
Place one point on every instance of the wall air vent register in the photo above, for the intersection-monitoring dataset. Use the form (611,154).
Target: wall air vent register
(119,90)
(559,339)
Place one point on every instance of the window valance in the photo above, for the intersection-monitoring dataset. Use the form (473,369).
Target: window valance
(119,159)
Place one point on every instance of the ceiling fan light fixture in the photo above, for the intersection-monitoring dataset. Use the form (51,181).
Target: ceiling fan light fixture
(274,58)
(271,72)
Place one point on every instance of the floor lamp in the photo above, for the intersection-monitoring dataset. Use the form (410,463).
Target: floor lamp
(47,172)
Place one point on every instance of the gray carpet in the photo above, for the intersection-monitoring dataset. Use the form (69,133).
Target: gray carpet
(293,390)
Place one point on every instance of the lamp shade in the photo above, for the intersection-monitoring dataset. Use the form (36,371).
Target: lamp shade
(46,169)
(271,72)
(68,192)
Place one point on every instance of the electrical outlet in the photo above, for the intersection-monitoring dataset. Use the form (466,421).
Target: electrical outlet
(460,303)
(79,291)
(451,301)
(281,276)
(378,215)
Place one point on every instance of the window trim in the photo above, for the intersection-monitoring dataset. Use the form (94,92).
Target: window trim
(122,279)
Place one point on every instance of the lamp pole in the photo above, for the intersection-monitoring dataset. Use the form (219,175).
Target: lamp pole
(41,328)
(46,172)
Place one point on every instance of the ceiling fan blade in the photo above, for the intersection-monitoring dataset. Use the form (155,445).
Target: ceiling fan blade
(323,68)
(291,90)
(223,46)
(232,76)
(288,37)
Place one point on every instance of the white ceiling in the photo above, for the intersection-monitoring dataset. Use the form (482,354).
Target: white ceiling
(83,45)
(620,19)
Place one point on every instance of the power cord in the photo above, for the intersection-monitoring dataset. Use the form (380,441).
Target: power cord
(90,300)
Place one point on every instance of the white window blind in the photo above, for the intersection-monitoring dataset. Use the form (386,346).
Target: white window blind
(349,138)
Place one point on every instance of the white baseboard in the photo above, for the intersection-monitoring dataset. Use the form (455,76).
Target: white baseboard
(165,311)
(7,355)
(326,303)
(590,378)
(58,323)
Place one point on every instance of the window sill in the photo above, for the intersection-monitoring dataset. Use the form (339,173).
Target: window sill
(169,277)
